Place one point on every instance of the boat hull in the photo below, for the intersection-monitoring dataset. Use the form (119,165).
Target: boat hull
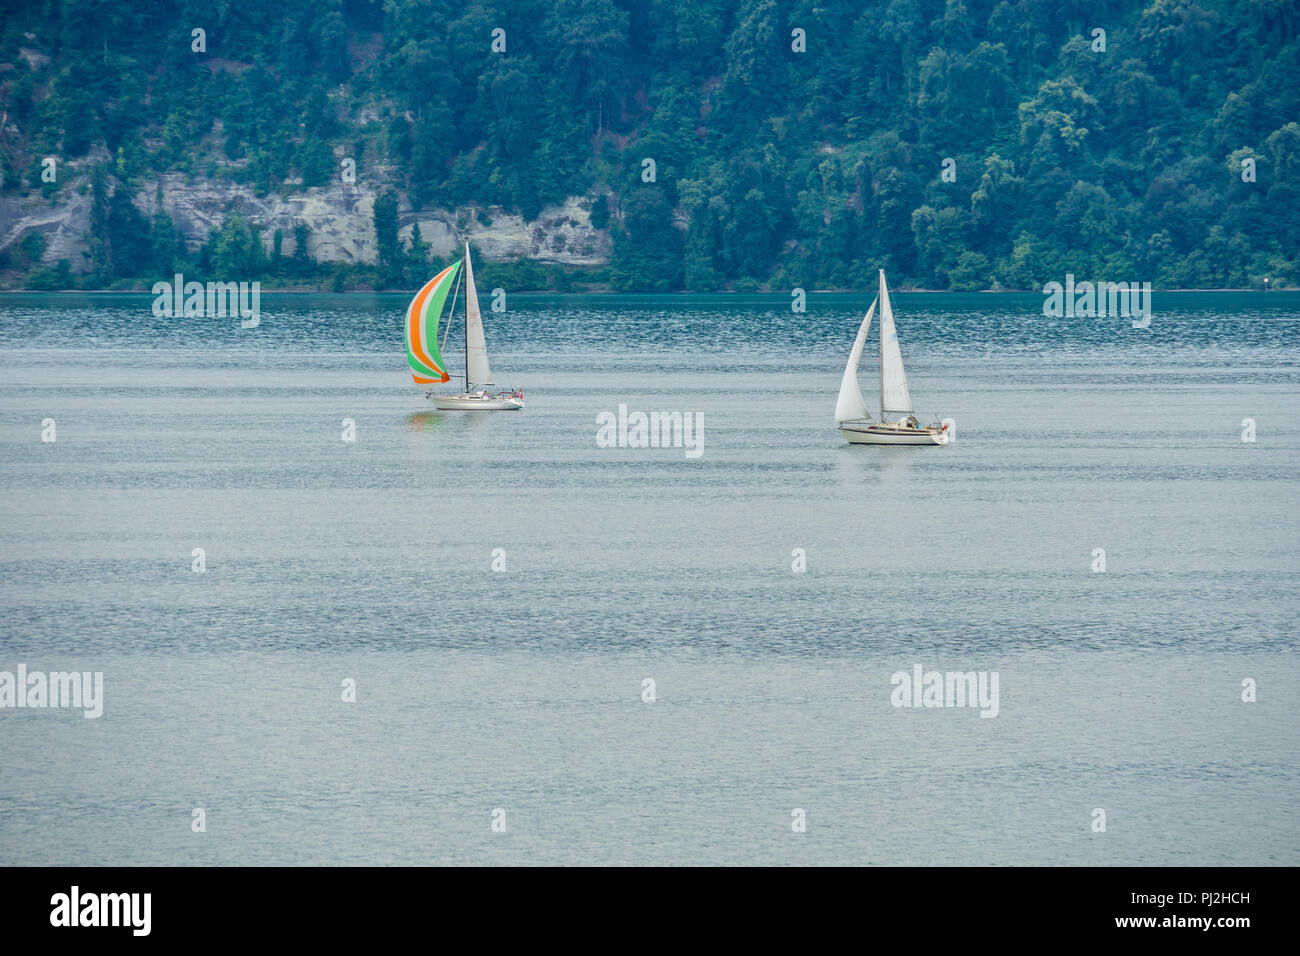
(475,403)
(888,435)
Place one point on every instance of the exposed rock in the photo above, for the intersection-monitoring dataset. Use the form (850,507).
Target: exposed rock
(65,225)
(339,217)
(561,234)
(35,59)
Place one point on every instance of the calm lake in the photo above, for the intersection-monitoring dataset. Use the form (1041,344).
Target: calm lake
(611,652)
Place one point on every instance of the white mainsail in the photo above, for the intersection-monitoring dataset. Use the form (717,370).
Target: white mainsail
(476,358)
(894,397)
(850,407)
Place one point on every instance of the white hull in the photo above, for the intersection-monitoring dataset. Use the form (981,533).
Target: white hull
(475,403)
(864,434)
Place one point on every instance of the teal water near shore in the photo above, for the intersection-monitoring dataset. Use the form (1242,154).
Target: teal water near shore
(522,689)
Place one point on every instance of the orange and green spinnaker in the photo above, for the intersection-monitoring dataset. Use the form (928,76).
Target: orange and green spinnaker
(422,353)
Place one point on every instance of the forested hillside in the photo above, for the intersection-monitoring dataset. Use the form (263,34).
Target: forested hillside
(793,144)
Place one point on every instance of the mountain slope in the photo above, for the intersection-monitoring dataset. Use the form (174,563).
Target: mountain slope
(717,143)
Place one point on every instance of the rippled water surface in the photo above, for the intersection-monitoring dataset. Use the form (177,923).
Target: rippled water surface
(523,689)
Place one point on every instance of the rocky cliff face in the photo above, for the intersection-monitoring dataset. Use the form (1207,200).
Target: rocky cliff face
(65,223)
(339,217)
(560,234)
(63,219)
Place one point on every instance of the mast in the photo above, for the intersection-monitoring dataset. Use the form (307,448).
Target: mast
(884,304)
(467,322)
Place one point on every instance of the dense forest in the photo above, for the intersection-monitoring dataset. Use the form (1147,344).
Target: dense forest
(962,144)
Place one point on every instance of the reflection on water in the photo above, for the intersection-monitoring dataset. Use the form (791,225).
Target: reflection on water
(879,466)
(425,421)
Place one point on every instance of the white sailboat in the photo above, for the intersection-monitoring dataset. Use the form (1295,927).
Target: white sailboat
(898,424)
(424,354)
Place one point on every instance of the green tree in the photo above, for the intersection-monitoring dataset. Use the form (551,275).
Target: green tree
(647,253)
(386,241)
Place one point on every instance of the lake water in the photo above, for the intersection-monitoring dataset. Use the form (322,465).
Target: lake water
(521,690)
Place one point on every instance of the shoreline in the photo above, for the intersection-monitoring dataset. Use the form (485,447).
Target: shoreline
(611,292)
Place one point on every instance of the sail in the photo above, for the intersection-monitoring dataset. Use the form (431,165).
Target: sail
(850,407)
(422,315)
(894,397)
(476,359)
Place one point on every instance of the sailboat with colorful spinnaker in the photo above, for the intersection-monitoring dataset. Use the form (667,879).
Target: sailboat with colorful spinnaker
(424,352)
(898,424)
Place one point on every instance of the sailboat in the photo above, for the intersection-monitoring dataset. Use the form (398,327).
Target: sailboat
(424,356)
(898,424)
